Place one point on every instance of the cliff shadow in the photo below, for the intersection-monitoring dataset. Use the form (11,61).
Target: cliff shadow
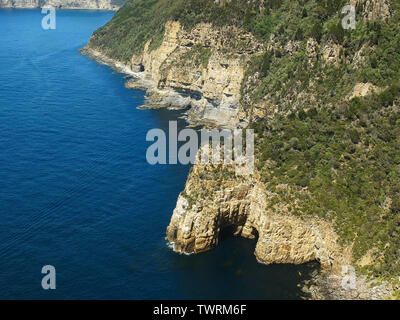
(234,230)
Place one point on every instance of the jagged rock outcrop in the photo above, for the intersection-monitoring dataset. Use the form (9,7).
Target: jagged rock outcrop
(63,4)
(214,199)
(201,69)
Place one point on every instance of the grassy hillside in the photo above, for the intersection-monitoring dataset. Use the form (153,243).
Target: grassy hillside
(340,157)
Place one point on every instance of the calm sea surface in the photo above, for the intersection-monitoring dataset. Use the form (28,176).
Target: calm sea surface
(76,191)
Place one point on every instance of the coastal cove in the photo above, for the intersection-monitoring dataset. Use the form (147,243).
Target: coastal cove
(77,192)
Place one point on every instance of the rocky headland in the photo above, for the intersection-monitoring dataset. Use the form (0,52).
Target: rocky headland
(201,70)
(227,77)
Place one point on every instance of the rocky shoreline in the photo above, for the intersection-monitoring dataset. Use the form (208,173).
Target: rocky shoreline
(214,199)
(60,4)
(201,70)
(103,59)
(134,80)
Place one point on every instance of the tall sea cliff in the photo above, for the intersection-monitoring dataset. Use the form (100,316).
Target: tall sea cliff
(324,102)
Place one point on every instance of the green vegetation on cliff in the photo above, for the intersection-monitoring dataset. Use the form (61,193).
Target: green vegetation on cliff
(141,20)
(343,165)
(341,156)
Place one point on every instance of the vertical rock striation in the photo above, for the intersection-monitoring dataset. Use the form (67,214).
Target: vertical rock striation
(62,4)
(201,69)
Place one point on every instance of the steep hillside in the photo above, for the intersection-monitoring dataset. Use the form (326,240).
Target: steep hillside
(324,102)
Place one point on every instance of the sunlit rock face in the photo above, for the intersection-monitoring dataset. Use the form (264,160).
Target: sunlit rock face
(201,69)
(214,199)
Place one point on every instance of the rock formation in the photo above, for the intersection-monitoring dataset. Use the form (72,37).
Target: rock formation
(62,4)
(206,70)
(215,199)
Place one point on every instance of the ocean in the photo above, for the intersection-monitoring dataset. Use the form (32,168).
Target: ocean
(77,193)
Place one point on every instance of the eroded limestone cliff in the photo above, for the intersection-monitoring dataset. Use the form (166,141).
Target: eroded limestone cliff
(201,69)
(215,199)
(206,70)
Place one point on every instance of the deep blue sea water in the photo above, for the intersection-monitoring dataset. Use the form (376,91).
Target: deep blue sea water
(76,191)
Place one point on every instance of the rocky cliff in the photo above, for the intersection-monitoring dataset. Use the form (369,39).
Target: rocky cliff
(215,199)
(201,69)
(63,4)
